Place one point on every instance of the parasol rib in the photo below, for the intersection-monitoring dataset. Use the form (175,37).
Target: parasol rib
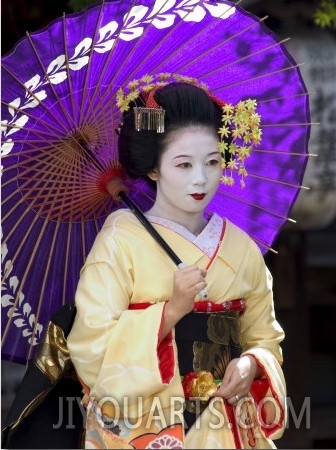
(284,153)
(285,183)
(66,261)
(44,281)
(269,211)
(264,75)
(273,99)
(70,118)
(229,39)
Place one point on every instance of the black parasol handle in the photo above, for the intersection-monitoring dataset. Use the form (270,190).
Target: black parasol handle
(138,213)
(149,227)
(152,231)
(143,220)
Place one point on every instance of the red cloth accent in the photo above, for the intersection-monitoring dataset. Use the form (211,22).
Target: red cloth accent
(217,100)
(143,305)
(258,391)
(259,388)
(203,306)
(151,102)
(187,384)
(84,386)
(165,352)
(232,420)
(229,305)
(106,176)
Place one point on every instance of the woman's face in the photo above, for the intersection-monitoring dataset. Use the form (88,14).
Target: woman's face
(189,171)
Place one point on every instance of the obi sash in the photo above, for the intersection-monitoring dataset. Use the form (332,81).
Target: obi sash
(207,339)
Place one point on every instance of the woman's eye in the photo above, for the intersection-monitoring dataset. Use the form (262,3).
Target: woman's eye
(213,162)
(184,165)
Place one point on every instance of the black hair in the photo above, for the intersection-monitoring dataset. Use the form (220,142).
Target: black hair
(185,105)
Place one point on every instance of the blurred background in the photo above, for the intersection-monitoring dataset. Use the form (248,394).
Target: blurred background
(304,269)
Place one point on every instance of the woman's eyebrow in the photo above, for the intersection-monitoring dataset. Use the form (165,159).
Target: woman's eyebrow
(190,156)
(182,156)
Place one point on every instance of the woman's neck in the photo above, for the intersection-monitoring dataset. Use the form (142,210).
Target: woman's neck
(193,222)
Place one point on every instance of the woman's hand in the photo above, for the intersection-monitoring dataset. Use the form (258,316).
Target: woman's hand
(187,283)
(238,378)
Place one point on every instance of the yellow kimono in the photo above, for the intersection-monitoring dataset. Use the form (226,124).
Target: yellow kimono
(134,395)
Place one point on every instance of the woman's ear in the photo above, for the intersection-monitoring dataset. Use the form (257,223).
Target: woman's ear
(153,174)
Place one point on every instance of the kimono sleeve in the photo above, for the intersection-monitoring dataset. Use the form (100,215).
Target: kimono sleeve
(117,352)
(261,336)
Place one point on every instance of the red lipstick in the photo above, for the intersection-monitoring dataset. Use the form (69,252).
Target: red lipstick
(198,196)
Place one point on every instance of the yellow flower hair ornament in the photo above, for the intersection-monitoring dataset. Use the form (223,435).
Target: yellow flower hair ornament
(239,133)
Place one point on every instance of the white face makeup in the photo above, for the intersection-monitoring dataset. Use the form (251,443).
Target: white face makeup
(188,175)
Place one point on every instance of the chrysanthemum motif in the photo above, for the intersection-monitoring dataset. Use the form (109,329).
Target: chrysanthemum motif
(170,437)
(165,441)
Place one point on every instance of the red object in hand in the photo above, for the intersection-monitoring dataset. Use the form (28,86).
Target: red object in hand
(187,383)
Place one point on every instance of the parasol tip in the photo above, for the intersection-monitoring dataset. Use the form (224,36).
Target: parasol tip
(112,182)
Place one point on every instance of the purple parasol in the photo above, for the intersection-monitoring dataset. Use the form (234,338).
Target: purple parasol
(59,115)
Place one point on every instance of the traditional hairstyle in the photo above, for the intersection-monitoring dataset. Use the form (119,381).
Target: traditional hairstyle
(184,105)
(154,106)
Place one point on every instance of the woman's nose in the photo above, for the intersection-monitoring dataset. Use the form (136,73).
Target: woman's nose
(199,176)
